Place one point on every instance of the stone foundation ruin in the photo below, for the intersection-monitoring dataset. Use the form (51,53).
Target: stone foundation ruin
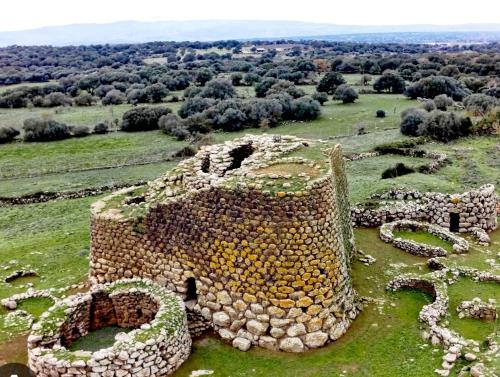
(159,344)
(255,237)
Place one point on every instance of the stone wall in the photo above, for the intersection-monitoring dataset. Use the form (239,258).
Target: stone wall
(475,209)
(157,347)
(271,269)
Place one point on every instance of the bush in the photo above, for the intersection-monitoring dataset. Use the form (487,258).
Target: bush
(346,94)
(187,151)
(143,118)
(411,120)
(194,106)
(259,109)
(85,99)
(80,131)
(428,105)
(479,104)
(489,124)
(397,171)
(114,97)
(180,132)
(56,99)
(433,86)
(263,86)
(445,126)
(305,108)
(283,86)
(321,97)
(136,96)
(380,114)
(442,102)
(156,92)
(218,89)
(168,122)
(236,79)
(101,128)
(390,81)
(330,82)
(7,134)
(38,129)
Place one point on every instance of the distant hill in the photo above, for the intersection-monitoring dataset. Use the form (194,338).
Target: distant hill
(136,32)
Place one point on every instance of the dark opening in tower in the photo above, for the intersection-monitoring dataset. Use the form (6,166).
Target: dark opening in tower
(191,293)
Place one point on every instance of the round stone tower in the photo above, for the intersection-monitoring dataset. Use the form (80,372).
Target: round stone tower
(254,233)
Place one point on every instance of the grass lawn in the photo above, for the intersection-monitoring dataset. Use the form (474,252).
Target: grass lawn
(426,238)
(98,339)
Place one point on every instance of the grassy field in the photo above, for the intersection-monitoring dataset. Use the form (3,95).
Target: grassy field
(53,237)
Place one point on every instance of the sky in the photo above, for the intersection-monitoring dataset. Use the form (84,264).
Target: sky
(29,14)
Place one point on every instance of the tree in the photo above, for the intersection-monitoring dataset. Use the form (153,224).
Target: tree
(218,89)
(287,87)
(203,76)
(113,97)
(168,122)
(380,114)
(136,96)
(236,78)
(195,105)
(262,87)
(143,118)
(390,81)
(56,99)
(330,82)
(305,108)
(433,86)
(85,99)
(445,126)
(321,97)
(101,128)
(156,92)
(345,93)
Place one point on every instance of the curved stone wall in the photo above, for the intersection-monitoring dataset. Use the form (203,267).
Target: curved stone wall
(270,269)
(158,346)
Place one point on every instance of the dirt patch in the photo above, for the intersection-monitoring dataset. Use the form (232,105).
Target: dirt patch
(286,169)
(14,351)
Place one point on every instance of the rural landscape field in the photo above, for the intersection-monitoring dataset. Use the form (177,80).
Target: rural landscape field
(174,141)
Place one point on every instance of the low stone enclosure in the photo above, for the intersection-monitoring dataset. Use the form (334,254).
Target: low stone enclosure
(468,212)
(158,345)
(460,245)
(254,234)
(434,316)
(478,309)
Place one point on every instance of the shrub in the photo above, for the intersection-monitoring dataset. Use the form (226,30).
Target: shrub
(101,128)
(113,97)
(445,126)
(428,105)
(489,124)
(411,120)
(330,82)
(143,118)
(80,131)
(168,122)
(346,94)
(218,89)
(203,76)
(433,86)
(7,134)
(136,96)
(259,109)
(180,132)
(156,92)
(442,102)
(56,99)
(493,92)
(194,106)
(38,129)
(397,171)
(263,86)
(380,114)
(305,108)
(85,99)
(283,86)
(187,151)
(479,104)
(236,79)
(321,97)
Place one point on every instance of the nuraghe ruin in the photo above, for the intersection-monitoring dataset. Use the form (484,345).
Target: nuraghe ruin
(254,234)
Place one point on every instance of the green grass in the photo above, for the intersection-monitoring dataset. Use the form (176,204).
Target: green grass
(98,339)
(25,159)
(4,88)
(36,305)
(426,238)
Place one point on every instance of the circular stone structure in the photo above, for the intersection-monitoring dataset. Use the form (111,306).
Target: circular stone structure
(258,245)
(459,244)
(158,345)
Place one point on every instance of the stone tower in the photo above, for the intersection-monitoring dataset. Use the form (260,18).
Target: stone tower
(254,233)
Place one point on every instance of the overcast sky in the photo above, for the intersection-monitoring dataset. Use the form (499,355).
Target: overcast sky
(28,14)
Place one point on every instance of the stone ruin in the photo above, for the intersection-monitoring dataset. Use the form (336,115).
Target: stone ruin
(254,234)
